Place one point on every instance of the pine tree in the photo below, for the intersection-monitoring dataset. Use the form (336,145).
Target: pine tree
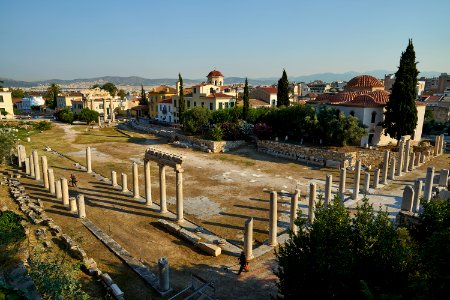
(283,90)
(181,104)
(400,117)
(144,100)
(246,101)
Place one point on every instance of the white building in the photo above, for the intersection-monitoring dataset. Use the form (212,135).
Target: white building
(30,101)
(6,105)
(365,98)
(267,94)
(165,111)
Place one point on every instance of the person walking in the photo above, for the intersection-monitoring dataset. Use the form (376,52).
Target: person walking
(243,263)
(73,180)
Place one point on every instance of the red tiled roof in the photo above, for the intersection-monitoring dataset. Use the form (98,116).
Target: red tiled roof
(258,103)
(380,96)
(16,100)
(167,100)
(364,81)
(270,89)
(434,99)
(214,73)
(418,103)
(217,95)
(363,100)
(311,95)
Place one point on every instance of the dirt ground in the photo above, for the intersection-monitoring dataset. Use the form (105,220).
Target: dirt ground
(221,191)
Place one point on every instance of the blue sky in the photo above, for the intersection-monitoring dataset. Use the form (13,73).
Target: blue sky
(157,39)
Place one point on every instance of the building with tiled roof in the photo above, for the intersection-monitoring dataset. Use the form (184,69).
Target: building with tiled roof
(6,104)
(212,94)
(155,95)
(365,98)
(165,110)
(267,94)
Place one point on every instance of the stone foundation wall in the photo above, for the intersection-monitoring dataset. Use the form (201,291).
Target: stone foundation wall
(308,155)
(179,139)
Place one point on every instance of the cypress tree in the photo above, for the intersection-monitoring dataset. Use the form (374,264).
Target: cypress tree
(246,101)
(144,100)
(181,104)
(283,90)
(400,117)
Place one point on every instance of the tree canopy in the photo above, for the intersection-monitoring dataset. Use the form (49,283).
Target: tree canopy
(52,94)
(111,88)
(144,100)
(246,100)
(283,90)
(88,115)
(121,93)
(400,117)
(181,102)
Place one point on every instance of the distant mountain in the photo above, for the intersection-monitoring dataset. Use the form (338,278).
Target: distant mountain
(137,81)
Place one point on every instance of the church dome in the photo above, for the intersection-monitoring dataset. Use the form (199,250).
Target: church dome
(214,73)
(364,81)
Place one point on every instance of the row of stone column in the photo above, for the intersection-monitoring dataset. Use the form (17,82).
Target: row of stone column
(59,188)
(412,194)
(148,190)
(112,115)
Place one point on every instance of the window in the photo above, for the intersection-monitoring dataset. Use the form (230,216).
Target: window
(189,104)
(215,82)
(220,105)
(226,104)
(174,103)
(195,90)
(211,90)
(374,116)
(203,104)
(195,104)
(210,106)
(231,104)
(352,113)
(168,108)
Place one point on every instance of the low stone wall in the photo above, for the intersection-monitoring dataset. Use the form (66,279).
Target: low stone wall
(308,155)
(179,139)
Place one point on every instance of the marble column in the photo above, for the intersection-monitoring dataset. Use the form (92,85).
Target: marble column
(124,183)
(443,178)
(417,194)
(392,169)
(273,214)
(385,167)
(419,159)
(424,158)
(148,183)
(366,183)
(411,161)
(180,200)
(376,178)
(294,209)
(88,160)
(436,145)
(73,204)
(357,179)
(32,173)
(65,191)
(428,184)
(58,189)
(37,169)
(113,116)
(19,156)
(51,181)
(111,109)
(342,178)
(406,156)
(443,144)
(407,200)
(99,121)
(162,188)
(328,183)
(401,153)
(45,171)
(312,202)
(135,181)
(81,206)
(248,238)
(105,112)
(27,166)
(114,178)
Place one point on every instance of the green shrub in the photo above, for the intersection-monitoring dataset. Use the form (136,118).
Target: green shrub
(215,133)
(65,115)
(88,115)
(195,118)
(42,125)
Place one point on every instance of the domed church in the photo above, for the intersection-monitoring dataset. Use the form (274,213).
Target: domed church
(364,97)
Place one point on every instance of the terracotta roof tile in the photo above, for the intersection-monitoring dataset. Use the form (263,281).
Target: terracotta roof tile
(214,73)
(269,89)
(364,81)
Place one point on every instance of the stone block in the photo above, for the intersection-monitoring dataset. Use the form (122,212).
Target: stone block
(211,249)
(78,252)
(187,235)
(173,228)
(333,164)
(116,291)
(89,263)
(408,196)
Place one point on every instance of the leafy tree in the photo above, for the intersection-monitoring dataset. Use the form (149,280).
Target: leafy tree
(283,90)
(7,140)
(400,117)
(65,115)
(246,101)
(181,102)
(17,93)
(88,115)
(121,93)
(111,88)
(144,100)
(1,81)
(363,257)
(195,118)
(95,86)
(52,94)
